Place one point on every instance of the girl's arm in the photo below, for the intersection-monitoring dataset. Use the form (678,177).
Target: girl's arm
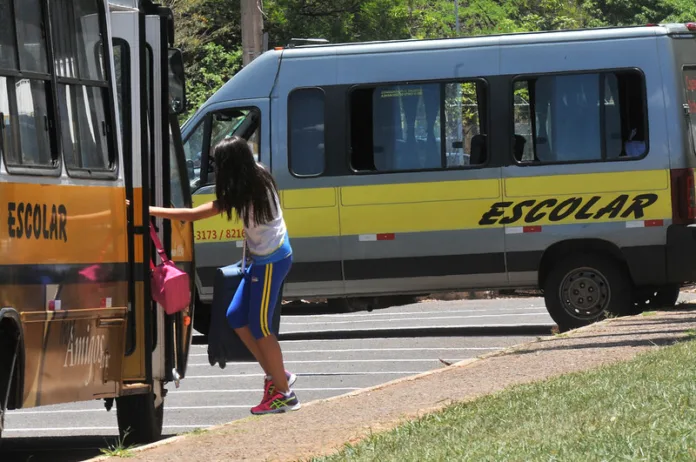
(184,214)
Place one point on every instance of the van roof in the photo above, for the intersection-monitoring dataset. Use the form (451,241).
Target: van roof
(517,38)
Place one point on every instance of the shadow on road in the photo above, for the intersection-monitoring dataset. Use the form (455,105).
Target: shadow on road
(54,449)
(414,332)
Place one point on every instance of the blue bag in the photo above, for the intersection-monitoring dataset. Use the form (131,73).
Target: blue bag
(223,342)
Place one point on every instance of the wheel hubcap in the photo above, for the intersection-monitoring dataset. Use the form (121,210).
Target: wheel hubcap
(585,293)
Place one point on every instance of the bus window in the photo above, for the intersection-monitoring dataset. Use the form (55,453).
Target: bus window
(690,95)
(193,147)
(24,108)
(83,106)
(121,52)
(31,37)
(8,59)
(400,127)
(580,117)
(306,132)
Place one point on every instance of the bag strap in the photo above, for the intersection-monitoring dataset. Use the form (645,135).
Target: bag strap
(158,247)
(244,248)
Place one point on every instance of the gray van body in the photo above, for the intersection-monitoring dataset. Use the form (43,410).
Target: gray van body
(416,258)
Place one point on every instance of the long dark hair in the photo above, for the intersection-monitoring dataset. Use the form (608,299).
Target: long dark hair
(241,184)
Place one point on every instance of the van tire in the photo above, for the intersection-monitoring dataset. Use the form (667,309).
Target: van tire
(572,284)
(139,420)
(665,296)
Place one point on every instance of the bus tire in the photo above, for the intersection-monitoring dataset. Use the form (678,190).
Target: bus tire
(582,289)
(139,420)
(665,296)
(201,317)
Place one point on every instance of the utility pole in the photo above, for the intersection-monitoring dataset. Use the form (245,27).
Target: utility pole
(456,15)
(252,31)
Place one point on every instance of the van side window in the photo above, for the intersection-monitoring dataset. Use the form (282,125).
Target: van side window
(25,111)
(690,97)
(580,118)
(425,126)
(306,147)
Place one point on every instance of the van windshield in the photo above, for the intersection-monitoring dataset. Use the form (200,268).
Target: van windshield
(690,94)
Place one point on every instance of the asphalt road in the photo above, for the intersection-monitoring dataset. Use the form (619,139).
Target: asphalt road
(331,354)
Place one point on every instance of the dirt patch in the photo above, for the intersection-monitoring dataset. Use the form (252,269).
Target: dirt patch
(323,427)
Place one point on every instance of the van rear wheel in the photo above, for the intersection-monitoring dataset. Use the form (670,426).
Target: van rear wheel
(583,289)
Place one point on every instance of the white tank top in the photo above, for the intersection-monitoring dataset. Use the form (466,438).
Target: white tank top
(265,239)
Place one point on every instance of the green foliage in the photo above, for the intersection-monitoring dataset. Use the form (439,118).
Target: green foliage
(208,31)
(204,76)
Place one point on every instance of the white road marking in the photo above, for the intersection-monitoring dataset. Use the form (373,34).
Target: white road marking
(321,361)
(406,313)
(303,374)
(69,429)
(166,408)
(356,350)
(322,323)
(255,390)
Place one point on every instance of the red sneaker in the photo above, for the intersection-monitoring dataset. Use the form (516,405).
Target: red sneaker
(277,403)
(269,389)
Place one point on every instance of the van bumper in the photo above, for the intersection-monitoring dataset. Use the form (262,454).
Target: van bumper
(681,253)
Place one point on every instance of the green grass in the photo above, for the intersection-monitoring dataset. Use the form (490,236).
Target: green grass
(640,410)
(118,448)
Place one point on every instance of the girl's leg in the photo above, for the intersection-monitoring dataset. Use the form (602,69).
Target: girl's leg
(265,287)
(238,319)
(270,349)
(252,345)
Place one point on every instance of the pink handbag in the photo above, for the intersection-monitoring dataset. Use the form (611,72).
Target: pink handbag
(170,286)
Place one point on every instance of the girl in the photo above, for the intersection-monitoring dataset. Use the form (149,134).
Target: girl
(248,189)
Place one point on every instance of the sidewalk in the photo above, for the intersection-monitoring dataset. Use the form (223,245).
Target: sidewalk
(322,427)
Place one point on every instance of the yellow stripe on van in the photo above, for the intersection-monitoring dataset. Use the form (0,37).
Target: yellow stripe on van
(471,204)
(595,183)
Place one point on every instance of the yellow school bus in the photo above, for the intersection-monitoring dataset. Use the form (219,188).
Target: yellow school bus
(89,94)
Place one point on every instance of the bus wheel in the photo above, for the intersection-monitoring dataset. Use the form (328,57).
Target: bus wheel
(583,289)
(665,296)
(139,420)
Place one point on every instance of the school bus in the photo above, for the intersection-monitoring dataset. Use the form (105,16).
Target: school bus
(559,160)
(89,97)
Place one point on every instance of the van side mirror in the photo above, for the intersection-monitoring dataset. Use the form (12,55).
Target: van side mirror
(177,82)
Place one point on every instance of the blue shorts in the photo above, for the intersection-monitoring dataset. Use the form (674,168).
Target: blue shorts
(254,302)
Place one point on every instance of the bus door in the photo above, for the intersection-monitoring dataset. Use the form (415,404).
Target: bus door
(169,184)
(218,242)
(130,82)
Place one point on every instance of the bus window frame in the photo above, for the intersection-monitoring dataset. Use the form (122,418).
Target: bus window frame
(460,80)
(54,170)
(600,71)
(131,338)
(289,131)
(112,172)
